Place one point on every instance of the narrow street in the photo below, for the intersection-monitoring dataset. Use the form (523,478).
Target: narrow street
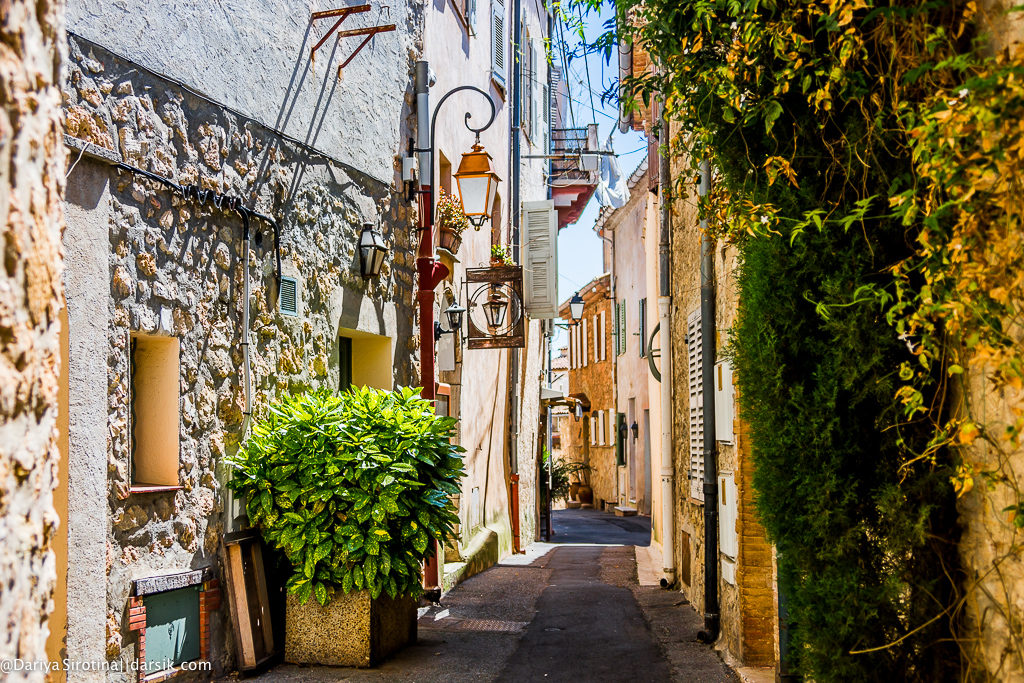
(565,611)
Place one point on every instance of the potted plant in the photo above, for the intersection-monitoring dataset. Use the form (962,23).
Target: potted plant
(354,490)
(501,256)
(564,476)
(451,221)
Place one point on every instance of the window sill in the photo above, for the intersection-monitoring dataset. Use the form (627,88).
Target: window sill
(143,488)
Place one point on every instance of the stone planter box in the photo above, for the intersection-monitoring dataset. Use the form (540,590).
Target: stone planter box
(352,630)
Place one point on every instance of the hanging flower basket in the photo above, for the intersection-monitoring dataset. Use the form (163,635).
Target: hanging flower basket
(451,222)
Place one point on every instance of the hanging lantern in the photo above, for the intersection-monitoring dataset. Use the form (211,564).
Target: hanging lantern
(454,314)
(495,308)
(371,251)
(576,307)
(477,183)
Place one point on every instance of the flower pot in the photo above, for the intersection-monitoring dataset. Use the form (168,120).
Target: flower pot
(351,630)
(495,261)
(449,240)
(574,488)
(586,494)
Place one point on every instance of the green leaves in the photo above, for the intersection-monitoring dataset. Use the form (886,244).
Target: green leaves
(353,488)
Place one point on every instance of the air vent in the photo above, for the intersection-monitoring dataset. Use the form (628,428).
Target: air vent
(288,296)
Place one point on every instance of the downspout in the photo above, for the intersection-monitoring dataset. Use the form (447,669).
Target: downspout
(664,307)
(708,344)
(429,271)
(513,171)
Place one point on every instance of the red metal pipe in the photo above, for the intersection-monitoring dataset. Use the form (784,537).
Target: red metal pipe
(514,494)
(431,273)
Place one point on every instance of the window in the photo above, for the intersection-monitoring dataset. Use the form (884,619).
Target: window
(620,329)
(155,410)
(694,354)
(288,298)
(643,327)
(583,339)
(172,628)
(526,91)
(344,363)
(498,42)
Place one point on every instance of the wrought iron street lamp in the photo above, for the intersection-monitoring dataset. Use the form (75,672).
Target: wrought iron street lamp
(477,184)
(576,307)
(371,251)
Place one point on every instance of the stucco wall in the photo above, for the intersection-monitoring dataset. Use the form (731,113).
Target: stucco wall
(173,267)
(627,227)
(253,56)
(31,183)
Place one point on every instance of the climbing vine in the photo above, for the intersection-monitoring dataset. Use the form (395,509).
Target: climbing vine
(868,161)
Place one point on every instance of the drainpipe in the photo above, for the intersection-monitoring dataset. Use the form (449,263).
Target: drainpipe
(708,343)
(664,302)
(429,271)
(513,172)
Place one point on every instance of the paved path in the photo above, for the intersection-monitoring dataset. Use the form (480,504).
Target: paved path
(566,611)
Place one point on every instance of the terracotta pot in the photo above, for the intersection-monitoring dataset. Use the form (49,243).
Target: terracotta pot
(449,240)
(574,488)
(586,494)
(495,261)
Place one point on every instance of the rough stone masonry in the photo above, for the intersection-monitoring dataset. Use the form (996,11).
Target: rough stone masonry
(31,185)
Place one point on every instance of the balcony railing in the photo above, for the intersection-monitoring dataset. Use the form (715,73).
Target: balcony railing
(574,161)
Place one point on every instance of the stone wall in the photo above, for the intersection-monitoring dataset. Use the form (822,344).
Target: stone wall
(175,270)
(747,602)
(31,182)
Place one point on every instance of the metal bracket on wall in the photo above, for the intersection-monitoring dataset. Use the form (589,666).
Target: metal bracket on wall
(343,14)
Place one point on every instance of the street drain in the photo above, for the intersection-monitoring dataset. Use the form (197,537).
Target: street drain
(488,625)
(551,629)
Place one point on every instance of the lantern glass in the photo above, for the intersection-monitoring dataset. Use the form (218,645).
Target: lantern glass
(495,309)
(576,307)
(371,251)
(473,191)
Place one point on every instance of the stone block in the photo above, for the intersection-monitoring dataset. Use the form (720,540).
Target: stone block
(352,630)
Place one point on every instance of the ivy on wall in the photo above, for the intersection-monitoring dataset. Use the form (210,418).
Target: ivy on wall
(868,162)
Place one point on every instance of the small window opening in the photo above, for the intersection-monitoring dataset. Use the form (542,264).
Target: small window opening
(172,629)
(155,410)
(344,363)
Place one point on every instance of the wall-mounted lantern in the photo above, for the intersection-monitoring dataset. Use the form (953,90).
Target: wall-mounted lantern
(635,428)
(578,413)
(477,184)
(371,251)
(576,307)
(454,314)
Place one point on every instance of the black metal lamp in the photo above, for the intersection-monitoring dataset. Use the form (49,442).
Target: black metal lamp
(578,413)
(635,428)
(576,307)
(371,251)
(454,314)
(477,183)
(495,308)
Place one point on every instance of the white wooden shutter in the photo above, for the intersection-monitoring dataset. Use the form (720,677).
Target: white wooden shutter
(600,428)
(602,324)
(583,341)
(597,341)
(498,41)
(694,354)
(621,332)
(574,348)
(593,434)
(540,263)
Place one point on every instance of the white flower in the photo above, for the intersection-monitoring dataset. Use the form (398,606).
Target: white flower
(964,92)
(764,220)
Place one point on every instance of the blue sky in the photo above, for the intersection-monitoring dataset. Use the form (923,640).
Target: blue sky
(579,249)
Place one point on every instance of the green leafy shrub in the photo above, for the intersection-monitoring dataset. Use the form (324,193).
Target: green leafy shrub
(562,473)
(352,488)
